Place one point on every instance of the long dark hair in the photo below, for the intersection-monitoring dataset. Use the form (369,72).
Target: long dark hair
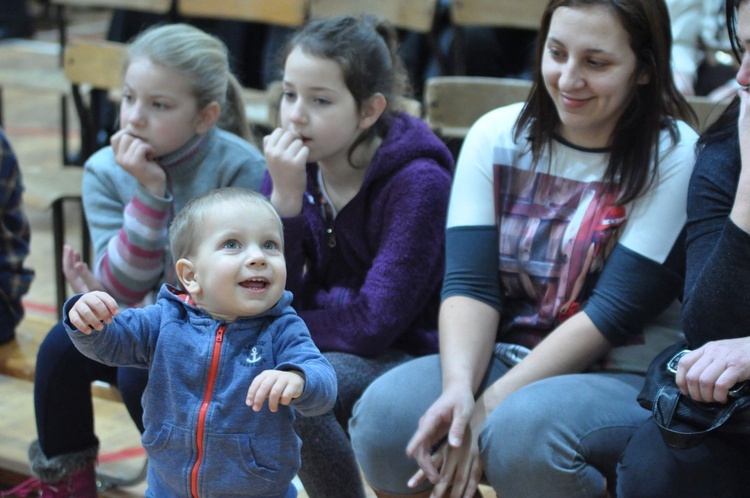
(635,140)
(366,49)
(726,125)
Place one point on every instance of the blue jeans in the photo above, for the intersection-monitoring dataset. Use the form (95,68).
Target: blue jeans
(62,394)
(562,436)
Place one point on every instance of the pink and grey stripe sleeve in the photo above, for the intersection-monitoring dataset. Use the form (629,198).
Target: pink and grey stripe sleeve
(134,261)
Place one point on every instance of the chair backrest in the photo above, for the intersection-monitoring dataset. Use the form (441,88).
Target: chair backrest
(280,12)
(91,65)
(499,13)
(410,15)
(524,14)
(94,63)
(453,103)
(155,6)
(706,110)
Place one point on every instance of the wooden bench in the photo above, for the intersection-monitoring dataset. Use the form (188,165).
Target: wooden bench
(410,15)
(453,103)
(526,14)
(18,357)
(280,12)
(51,189)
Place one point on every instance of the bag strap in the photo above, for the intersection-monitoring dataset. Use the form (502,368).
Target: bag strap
(665,406)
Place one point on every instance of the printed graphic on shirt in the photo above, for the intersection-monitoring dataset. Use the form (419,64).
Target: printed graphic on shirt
(253,355)
(556,234)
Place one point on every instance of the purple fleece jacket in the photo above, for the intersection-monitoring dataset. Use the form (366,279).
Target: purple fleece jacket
(379,287)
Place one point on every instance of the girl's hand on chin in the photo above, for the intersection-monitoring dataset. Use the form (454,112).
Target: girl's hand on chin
(136,157)
(286,157)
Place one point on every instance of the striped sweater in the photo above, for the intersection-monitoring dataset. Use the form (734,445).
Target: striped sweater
(129,224)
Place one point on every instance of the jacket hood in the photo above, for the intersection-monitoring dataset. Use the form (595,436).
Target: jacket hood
(282,307)
(408,139)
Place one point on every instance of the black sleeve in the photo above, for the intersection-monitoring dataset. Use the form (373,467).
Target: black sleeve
(471,266)
(717,284)
(632,290)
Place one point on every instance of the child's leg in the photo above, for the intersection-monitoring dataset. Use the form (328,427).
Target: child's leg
(132,382)
(64,411)
(329,468)
(62,395)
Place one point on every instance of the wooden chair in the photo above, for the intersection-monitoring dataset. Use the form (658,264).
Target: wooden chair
(91,65)
(61,9)
(281,12)
(34,80)
(45,189)
(500,13)
(453,103)
(409,15)
(152,6)
(417,16)
(87,65)
(155,6)
(526,14)
(52,189)
(260,105)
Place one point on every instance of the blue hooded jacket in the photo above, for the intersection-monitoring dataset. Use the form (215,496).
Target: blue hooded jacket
(201,438)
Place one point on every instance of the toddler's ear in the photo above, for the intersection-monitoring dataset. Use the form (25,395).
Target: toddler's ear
(187,275)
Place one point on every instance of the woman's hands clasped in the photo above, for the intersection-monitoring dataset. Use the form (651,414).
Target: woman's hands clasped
(455,468)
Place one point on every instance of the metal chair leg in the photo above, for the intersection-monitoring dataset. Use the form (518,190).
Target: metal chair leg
(105,482)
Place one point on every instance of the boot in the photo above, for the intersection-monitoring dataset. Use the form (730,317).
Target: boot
(65,476)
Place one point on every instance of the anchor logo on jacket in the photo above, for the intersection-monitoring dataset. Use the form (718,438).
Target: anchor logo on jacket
(253,355)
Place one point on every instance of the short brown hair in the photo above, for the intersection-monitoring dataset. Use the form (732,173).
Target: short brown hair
(186,227)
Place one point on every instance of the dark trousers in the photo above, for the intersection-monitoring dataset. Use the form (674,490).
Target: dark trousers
(62,394)
(718,467)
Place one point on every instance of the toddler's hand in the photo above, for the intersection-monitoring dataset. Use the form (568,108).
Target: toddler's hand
(276,385)
(92,310)
(286,156)
(136,157)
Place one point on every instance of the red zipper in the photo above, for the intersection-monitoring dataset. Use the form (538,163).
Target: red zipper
(215,355)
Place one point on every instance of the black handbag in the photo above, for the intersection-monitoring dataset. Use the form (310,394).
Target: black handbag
(683,421)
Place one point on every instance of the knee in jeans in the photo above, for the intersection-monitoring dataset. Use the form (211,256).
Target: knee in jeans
(517,437)
(379,435)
